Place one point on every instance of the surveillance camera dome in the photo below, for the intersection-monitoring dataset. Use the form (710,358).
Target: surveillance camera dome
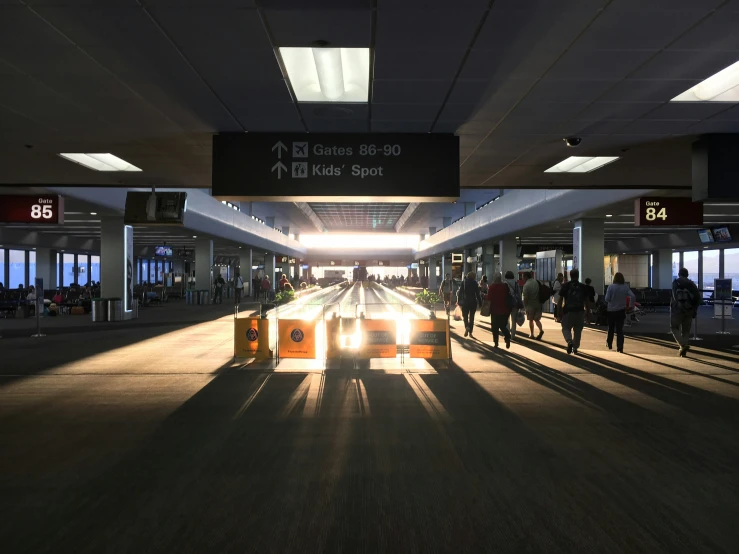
(572,141)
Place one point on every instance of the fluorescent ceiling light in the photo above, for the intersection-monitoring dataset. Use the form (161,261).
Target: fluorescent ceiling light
(328,74)
(101,162)
(721,87)
(581,164)
(609,215)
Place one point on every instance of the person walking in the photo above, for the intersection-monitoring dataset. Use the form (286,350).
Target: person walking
(515,290)
(574,306)
(484,286)
(683,309)
(218,285)
(266,287)
(556,288)
(469,299)
(238,288)
(500,309)
(616,299)
(446,289)
(532,303)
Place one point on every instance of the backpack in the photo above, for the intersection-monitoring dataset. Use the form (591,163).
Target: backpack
(576,296)
(684,299)
(515,296)
(461,295)
(545,293)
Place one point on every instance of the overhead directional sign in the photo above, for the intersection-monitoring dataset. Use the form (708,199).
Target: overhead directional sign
(667,212)
(45,209)
(336,167)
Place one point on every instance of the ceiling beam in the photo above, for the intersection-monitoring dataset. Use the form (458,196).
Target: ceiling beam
(311,215)
(406,215)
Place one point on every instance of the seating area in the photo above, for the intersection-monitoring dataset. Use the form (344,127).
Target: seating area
(74,299)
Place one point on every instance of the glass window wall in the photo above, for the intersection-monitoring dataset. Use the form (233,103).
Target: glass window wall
(690,262)
(2,267)
(17,269)
(710,270)
(32,268)
(144,271)
(152,271)
(95,268)
(731,266)
(68,269)
(675,264)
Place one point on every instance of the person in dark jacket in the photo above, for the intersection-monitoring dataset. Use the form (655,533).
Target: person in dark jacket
(469,299)
(683,309)
(500,309)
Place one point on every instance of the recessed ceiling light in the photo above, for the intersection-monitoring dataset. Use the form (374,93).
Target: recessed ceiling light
(325,74)
(581,164)
(101,162)
(721,87)
(194,236)
(93,213)
(609,215)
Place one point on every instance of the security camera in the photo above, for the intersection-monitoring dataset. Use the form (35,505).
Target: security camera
(572,141)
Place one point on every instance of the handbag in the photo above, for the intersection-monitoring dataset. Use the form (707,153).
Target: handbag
(457,314)
(520,318)
(485,309)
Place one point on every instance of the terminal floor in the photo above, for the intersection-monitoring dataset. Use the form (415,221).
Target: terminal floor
(149,439)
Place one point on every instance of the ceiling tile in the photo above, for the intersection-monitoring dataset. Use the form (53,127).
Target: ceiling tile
(426,29)
(358,216)
(698,65)
(405,112)
(344,28)
(617,110)
(655,127)
(717,32)
(425,92)
(380,126)
(687,110)
(20,26)
(646,90)
(598,64)
(416,64)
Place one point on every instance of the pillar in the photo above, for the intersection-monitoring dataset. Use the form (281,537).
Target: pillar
(446,222)
(469,208)
(116,261)
(245,208)
(245,270)
(270,221)
(286,232)
(433,280)
(588,251)
(465,265)
(443,268)
(203,263)
(662,270)
(269,267)
(488,261)
(432,231)
(507,255)
(46,267)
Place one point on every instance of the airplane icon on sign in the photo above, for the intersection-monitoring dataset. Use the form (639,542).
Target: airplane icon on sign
(300,150)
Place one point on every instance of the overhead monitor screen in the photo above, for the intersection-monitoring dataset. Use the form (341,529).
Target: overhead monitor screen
(705,235)
(721,234)
(162,250)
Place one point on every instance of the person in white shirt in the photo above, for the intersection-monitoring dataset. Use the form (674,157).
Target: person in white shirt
(239,287)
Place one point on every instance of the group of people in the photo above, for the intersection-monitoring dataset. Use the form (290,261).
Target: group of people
(509,306)
(261,287)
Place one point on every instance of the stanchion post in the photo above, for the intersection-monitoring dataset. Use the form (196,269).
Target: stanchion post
(39,306)
(695,327)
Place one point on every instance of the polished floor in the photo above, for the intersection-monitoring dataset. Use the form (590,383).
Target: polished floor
(150,439)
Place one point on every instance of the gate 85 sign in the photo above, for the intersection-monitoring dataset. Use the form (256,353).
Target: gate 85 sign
(667,212)
(41,209)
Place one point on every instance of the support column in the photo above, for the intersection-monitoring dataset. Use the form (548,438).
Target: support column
(433,280)
(270,221)
(116,261)
(203,263)
(588,251)
(488,261)
(269,267)
(469,208)
(662,270)
(432,231)
(507,256)
(245,208)
(286,230)
(446,222)
(245,265)
(46,267)
(465,265)
(443,268)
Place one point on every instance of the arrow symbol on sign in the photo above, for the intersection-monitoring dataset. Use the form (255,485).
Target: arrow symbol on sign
(279,147)
(280,167)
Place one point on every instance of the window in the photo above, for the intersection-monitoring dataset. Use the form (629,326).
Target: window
(83,269)
(690,262)
(144,271)
(68,270)
(675,264)
(95,268)
(32,268)
(17,269)
(731,266)
(710,270)
(152,272)
(2,266)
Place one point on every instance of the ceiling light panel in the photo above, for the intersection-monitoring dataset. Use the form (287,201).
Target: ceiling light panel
(721,87)
(581,164)
(101,162)
(328,74)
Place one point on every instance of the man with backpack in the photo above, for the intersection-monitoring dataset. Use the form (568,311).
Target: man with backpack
(533,292)
(574,305)
(683,309)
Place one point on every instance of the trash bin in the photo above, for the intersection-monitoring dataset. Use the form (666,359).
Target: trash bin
(99,309)
(188,296)
(115,309)
(203,297)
